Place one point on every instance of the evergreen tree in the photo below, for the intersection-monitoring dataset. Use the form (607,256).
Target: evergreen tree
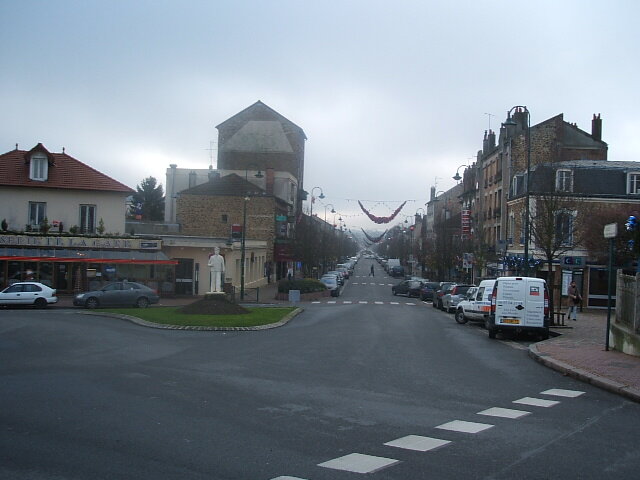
(150,196)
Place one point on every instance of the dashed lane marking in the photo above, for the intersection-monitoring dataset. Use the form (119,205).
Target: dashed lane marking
(359,463)
(288,478)
(536,402)
(418,443)
(504,412)
(464,427)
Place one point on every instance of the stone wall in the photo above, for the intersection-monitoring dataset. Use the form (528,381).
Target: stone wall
(204,215)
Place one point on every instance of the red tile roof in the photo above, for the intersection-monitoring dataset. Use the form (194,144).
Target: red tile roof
(64,172)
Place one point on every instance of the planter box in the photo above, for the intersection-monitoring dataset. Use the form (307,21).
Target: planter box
(305,297)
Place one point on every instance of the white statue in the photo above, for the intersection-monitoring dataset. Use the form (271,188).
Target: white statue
(216,265)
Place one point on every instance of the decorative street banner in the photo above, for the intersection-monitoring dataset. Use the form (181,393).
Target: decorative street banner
(374,239)
(380,220)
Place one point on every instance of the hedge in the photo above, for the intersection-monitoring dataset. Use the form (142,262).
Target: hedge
(306,285)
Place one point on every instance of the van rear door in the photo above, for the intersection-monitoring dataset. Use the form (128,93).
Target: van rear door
(510,302)
(534,313)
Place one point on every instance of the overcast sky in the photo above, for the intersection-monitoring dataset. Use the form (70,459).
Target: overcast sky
(393,96)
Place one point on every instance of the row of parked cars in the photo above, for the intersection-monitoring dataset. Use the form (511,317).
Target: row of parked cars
(334,279)
(502,304)
(121,293)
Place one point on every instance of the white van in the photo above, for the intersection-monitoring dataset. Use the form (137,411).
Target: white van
(477,306)
(519,304)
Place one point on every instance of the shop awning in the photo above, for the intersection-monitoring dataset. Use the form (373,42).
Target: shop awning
(85,256)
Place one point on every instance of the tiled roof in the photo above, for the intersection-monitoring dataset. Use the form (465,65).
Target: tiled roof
(231,185)
(64,172)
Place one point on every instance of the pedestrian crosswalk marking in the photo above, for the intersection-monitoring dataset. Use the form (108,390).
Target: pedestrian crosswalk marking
(559,392)
(379,303)
(536,402)
(464,427)
(347,302)
(504,412)
(418,443)
(359,463)
(363,302)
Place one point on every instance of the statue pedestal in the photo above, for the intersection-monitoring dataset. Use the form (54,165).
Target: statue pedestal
(214,295)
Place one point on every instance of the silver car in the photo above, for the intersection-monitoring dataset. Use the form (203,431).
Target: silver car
(28,293)
(118,293)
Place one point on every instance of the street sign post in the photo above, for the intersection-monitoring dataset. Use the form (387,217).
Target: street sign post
(610,232)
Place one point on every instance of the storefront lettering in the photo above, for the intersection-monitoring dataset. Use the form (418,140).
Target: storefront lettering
(75,242)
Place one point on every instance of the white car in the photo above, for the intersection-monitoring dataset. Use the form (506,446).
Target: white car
(28,293)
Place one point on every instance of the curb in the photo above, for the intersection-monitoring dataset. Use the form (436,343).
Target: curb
(144,323)
(584,376)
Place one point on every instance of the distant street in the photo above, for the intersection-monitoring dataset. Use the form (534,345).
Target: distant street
(366,383)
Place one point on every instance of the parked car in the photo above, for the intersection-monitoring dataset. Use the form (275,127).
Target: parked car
(411,288)
(118,293)
(437,298)
(338,274)
(452,297)
(331,282)
(28,293)
(344,270)
(396,271)
(428,290)
(477,304)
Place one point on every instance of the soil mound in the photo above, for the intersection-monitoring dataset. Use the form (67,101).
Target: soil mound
(213,306)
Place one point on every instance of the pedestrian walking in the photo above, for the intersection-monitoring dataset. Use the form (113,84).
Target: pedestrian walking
(575,299)
(372,272)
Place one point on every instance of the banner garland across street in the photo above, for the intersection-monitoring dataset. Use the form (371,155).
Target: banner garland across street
(374,239)
(380,220)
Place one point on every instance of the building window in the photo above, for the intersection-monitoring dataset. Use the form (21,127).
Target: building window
(633,184)
(564,228)
(87,218)
(564,181)
(39,167)
(225,218)
(37,213)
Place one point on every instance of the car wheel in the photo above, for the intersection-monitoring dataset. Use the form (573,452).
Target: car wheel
(41,303)
(394,292)
(92,303)
(434,304)
(492,332)
(460,318)
(142,302)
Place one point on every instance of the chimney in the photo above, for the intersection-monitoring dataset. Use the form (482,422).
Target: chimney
(485,143)
(270,180)
(492,140)
(433,193)
(596,128)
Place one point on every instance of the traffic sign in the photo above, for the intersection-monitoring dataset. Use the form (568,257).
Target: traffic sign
(611,230)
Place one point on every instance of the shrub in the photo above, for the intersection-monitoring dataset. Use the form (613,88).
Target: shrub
(307,285)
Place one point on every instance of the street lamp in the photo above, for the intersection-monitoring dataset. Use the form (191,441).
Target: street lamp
(457,176)
(510,123)
(321,196)
(244,228)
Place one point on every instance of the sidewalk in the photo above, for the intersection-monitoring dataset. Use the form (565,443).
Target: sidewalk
(580,352)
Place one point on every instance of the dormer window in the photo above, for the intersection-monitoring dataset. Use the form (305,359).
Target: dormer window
(39,167)
(633,183)
(564,181)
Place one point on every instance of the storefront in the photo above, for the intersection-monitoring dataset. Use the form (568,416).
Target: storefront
(72,264)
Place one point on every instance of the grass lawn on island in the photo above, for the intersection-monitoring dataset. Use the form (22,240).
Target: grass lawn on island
(172,316)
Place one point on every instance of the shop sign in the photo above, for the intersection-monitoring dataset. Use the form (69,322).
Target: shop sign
(79,242)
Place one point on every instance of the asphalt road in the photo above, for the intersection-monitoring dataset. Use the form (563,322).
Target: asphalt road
(343,388)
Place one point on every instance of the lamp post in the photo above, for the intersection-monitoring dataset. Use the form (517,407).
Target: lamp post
(510,123)
(457,176)
(244,228)
(321,196)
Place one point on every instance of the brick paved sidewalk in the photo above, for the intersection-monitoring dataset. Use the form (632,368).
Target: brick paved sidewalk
(579,351)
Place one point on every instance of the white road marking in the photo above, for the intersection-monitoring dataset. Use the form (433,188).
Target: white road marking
(316,302)
(347,302)
(359,463)
(504,412)
(559,392)
(464,427)
(536,402)
(394,303)
(363,302)
(287,478)
(418,443)
(411,304)
(331,301)
(379,303)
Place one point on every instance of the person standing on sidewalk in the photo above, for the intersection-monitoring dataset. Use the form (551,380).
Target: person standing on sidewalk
(574,300)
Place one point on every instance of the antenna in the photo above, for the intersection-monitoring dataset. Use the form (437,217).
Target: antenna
(211,149)
(489,115)
(435,181)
